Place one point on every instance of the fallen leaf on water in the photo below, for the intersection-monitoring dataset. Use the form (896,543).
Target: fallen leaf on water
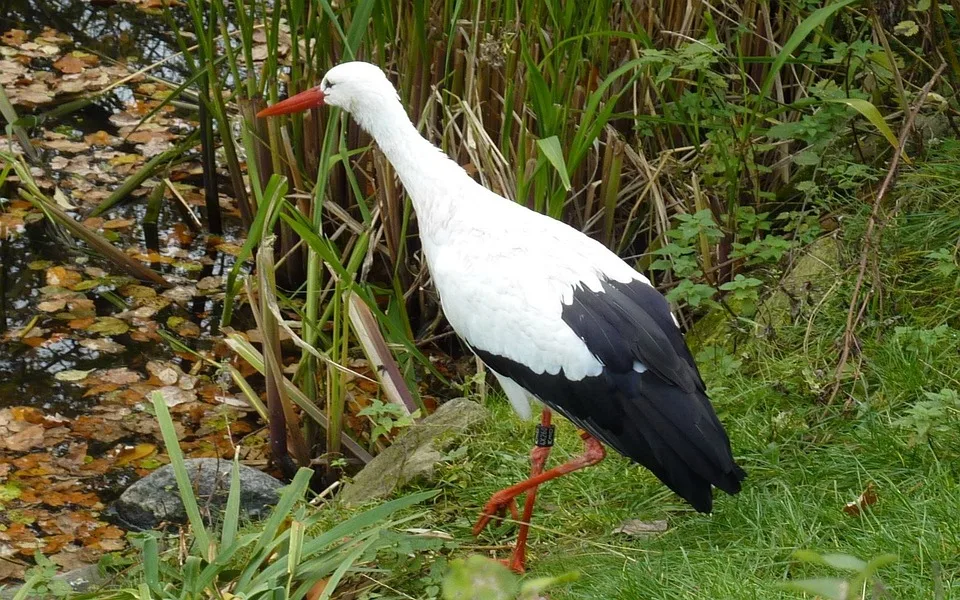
(182,294)
(174,396)
(638,528)
(185,328)
(81,323)
(72,375)
(234,401)
(63,200)
(14,37)
(165,372)
(72,557)
(118,223)
(30,414)
(105,345)
(101,138)
(64,145)
(10,569)
(39,265)
(31,437)
(134,290)
(62,277)
(52,305)
(209,283)
(120,376)
(109,326)
(867,498)
(130,454)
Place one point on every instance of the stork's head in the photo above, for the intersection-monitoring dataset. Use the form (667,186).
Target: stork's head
(356,87)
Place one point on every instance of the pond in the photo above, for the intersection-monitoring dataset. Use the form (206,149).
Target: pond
(82,344)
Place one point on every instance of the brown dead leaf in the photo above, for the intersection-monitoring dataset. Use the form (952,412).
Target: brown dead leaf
(81,323)
(93,222)
(867,498)
(210,283)
(31,437)
(73,557)
(15,37)
(28,414)
(174,396)
(138,291)
(167,373)
(181,294)
(9,568)
(52,305)
(62,277)
(118,223)
(65,145)
(105,345)
(75,456)
(101,138)
(107,326)
(120,376)
(69,64)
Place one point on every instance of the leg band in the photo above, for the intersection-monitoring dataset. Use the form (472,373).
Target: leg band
(544,436)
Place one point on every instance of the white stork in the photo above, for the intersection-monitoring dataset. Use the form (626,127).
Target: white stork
(554,314)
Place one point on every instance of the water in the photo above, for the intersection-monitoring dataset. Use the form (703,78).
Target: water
(121,31)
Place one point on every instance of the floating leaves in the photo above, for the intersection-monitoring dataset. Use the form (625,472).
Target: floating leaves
(62,277)
(72,375)
(108,326)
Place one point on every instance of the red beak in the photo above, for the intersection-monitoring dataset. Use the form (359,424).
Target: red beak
(306,100)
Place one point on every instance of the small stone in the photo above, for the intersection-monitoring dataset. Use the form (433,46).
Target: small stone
(156,499)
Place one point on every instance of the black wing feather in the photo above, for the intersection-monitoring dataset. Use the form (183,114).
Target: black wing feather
(661,418)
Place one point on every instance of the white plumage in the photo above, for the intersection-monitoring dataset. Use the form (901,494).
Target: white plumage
(553,313)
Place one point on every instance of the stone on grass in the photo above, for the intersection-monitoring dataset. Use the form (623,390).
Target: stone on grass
(155,499)
(415,453)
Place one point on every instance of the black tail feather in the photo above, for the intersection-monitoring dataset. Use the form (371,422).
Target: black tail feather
(672,432)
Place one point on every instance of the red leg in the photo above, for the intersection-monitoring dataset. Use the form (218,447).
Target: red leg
(538,458)
(500,501)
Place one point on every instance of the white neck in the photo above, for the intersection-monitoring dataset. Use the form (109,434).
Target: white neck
(428,175)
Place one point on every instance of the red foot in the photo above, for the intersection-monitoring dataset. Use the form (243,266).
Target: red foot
(496,507)
(515,564)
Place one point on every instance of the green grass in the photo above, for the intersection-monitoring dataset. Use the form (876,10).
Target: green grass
(792,500)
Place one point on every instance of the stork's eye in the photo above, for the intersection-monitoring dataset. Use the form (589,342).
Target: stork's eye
(328,85)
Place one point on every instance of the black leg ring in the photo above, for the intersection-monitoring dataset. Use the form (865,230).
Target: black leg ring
(544,436)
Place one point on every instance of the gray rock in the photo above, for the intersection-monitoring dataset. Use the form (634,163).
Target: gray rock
(155,498)
(415,453)
(79,580)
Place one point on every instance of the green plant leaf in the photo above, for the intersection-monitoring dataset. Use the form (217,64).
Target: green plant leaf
(479,578)
(831,588)
(805,28)
(551,149)
(868,110)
